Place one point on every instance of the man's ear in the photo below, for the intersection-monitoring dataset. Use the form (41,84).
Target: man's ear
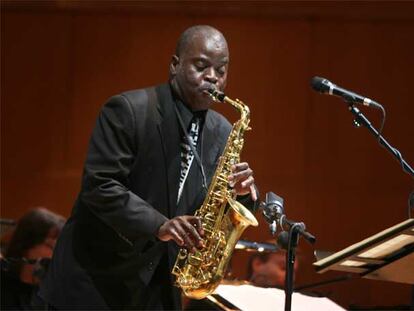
(175,60)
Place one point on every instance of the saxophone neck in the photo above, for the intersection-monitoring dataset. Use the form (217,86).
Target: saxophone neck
(236,103)
(240,106)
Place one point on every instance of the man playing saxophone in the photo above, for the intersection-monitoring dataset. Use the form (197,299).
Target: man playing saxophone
(143,180)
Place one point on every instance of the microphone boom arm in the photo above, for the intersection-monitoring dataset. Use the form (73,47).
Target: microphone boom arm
(360,119)
(299,227)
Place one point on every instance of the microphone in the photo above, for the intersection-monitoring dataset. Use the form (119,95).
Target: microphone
(325,86)
(273,210)
(274,213)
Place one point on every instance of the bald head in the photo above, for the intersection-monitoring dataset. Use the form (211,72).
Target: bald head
(200,63)
(194,33)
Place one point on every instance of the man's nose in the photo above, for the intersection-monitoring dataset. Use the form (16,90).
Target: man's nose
(211,76)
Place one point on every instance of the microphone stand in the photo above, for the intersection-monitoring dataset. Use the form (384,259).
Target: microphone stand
(295,229)
(274,214)
(360,119)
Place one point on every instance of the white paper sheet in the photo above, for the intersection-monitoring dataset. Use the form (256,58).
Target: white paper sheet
(252,298)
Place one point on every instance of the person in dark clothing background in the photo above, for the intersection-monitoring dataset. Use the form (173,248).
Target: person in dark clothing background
(141,184)
(26,257)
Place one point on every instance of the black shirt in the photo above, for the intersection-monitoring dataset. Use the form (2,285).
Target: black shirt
(15,294)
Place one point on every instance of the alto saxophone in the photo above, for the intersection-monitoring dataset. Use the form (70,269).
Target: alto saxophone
(223,218)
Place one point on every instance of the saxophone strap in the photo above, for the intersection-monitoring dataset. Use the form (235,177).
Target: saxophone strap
(194,151)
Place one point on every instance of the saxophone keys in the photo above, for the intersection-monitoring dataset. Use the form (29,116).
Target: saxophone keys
(195,259)
(183,253)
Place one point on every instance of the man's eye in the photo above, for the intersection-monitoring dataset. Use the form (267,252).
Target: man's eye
(221,70)
(200,67)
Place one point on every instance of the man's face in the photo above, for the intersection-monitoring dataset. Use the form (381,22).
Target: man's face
(202,65)
(272,272)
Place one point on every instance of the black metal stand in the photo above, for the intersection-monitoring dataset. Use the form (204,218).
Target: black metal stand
(290,263)
(295,230)
(360,119)
(273,212)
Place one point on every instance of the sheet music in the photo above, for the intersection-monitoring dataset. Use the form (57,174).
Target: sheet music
(252,298)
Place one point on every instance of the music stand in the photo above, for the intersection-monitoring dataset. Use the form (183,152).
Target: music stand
(387,255)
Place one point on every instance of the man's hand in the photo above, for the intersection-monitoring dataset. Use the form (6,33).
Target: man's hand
(242,180)
(185,230)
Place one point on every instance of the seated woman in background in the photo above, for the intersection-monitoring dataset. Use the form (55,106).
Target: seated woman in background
(26,256)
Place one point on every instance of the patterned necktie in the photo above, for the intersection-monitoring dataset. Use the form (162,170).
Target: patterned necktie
(187,155)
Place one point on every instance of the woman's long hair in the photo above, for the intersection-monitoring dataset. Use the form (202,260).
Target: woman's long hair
(31,230)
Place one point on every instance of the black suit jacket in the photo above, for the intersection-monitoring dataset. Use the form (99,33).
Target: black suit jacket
(108,251)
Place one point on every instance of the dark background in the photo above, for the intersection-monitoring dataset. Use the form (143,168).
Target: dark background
(60,61)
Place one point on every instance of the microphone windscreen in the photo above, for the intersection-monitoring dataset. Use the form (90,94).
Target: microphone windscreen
(272,198)
(319,85)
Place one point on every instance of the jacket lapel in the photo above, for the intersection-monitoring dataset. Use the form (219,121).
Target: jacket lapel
(168,129)
(170,137)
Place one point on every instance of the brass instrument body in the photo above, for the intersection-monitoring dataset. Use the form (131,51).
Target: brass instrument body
(223,219)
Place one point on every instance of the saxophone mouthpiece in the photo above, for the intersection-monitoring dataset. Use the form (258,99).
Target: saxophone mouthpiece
(216,95)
